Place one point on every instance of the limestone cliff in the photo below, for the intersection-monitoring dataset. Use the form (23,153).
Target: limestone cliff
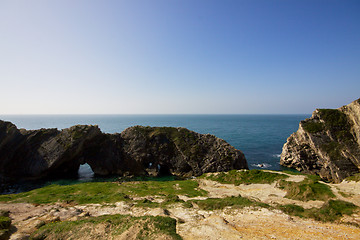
(327,144)
(136,151)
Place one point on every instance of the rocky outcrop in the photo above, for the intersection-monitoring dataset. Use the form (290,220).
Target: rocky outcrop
(179,151)
(327,144)
(136,151)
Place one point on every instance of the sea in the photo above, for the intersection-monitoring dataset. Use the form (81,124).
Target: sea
(259,137)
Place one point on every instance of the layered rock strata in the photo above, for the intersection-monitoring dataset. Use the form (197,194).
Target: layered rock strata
(327,144)
(138,151)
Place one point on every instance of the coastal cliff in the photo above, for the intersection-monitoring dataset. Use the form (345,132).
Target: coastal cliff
(327,144)
(139,151)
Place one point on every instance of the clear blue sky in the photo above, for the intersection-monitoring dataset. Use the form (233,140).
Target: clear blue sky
(178,56)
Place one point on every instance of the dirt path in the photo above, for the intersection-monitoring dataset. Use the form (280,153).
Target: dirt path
(262,224)
(267,193)
(347,191)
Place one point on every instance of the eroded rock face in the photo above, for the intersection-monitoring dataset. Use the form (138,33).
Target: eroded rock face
(136,151)
(178,151)
(37,153)
(327,144)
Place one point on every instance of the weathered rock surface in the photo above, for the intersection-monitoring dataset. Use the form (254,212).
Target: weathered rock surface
(136,151)
(327,144)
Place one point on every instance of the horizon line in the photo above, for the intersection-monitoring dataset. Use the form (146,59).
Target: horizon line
(99,114)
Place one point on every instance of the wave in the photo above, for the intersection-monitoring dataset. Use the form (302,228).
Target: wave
(276,155)
(261,165)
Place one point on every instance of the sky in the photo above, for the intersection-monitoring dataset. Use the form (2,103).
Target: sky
(178,56)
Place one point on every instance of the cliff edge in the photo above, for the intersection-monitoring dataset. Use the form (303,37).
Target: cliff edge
(327,144)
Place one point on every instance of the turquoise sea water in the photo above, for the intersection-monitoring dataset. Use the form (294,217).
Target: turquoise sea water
(260,137)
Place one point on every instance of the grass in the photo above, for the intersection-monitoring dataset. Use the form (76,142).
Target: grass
(109,226)
(245,177)
(313,127)
(308,189)
(293,172)
(105,192)
(331,211)
(234,202)
(334,119)
(334,123)
(5,224)
(346,195)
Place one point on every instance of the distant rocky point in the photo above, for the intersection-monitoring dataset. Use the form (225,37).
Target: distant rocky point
(327,144)
(138,151)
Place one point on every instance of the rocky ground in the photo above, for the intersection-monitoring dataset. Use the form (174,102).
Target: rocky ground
(196,223)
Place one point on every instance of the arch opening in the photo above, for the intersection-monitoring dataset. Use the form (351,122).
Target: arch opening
(85,172)
(163,170)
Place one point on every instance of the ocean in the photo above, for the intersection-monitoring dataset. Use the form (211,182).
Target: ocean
(259,137)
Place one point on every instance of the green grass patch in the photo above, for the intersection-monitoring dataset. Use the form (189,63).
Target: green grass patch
(293,172)
(331,211)
(313,127)
(5,224)
(334,118)
(308,189)
(182,187)
(108,227)
(245,177)
(346,195)
(105,192)
(234,202)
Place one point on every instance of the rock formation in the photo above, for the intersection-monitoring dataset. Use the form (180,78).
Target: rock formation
(327,144)
(138,151)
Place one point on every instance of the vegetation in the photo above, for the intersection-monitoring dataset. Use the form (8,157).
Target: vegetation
(333,120)
(78,131)
(293,172)
(5,223)
(109,226)
(181,138)
(105,192)
(234,202)
(245,177)
(331,211)
(152,227)
(355,178)
(308,189)
(313,127)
